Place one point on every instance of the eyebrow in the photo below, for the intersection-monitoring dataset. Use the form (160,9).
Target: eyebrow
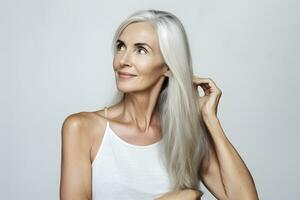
(136,44)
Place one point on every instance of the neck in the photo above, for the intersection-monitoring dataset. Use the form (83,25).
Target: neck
(139,107)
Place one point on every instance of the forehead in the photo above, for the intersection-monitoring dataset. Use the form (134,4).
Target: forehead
(140,32)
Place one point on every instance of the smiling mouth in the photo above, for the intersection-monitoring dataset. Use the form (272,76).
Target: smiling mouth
(125,76)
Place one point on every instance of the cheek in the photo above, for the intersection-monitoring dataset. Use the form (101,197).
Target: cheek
(147,66)
(149,74)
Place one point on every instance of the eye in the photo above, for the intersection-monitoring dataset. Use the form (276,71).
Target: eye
(119,46)
(142,49)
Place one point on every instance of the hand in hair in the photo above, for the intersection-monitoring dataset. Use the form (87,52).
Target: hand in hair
(186,194)
(208,104)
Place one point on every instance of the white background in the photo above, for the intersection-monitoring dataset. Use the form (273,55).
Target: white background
(55,59)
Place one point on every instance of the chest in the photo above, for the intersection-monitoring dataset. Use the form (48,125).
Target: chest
(125,172)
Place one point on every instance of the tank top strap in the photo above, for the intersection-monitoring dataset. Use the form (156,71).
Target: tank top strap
(105,112)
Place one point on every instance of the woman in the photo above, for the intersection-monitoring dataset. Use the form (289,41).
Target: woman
(160,139)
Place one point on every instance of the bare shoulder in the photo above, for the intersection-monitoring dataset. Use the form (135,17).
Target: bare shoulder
(84,125)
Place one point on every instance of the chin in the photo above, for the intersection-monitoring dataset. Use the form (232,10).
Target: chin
(126,88)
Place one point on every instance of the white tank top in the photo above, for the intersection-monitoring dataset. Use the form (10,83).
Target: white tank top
(125,171)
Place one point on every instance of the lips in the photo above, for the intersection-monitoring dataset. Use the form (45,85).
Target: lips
(125,74)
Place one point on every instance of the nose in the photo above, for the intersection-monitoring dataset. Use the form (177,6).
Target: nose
(125,59)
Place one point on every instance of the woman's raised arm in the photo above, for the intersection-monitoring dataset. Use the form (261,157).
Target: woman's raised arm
(227,176)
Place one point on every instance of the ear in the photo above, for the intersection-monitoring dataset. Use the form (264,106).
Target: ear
(167,71)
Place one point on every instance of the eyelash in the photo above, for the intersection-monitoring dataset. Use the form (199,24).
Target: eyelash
(118,47)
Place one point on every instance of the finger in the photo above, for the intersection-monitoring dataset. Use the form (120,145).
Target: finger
(199,80)
(206,83)
(206,87)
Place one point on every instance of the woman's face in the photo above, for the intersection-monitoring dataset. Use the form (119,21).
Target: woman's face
(137,52)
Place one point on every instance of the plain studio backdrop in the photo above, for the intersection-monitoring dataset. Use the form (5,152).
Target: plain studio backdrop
(56,59)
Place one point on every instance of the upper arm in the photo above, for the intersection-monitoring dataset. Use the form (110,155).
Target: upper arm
(211,175)
(75,182)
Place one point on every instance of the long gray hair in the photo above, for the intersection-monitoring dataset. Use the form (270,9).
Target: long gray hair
(184,137)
